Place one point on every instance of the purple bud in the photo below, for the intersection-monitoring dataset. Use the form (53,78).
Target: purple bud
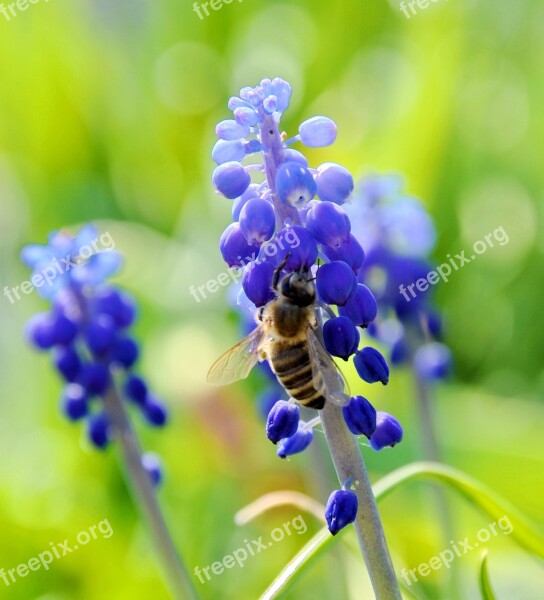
(388,431)
(39,331)
(351,252)
(155,412)
(67,362)
(118,305)
(100,334)
(64,330)
(295,185)
(94,377)
(433,361)
(234,247)
(360,307)
(335,282)
(329,224)
(371,366)
(231,179)
(317,132)
(341,337)
(257,220)
(257,282)
(334,183)
(231,130)
(360,416)
(296,443)
(136,390)
(291,155)
(282,421)
(99,430)
(246,116)
(152,464)
(399,352)
(224,151)
(124,352)
(238,204)
(282,90)
(341,510)
(298,242)
(74,402)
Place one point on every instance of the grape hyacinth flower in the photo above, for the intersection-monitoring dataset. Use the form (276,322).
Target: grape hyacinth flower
(278,196)
(88,332)
(399,236)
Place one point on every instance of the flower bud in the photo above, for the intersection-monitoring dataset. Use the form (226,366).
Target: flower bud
(231,179)
(295,185)
(317,132)
(226,151)
(371,366)
(388,431)
(334,183)
(99,430)
(360,307)
(360,416)
(433,361)
(299,244)
(351,253)
(329,224)
(234,246)
(341,510)
(341,337)
(74,402)
(257,220)
(335,282)
(155,412)
(231,130)
(257,282)
(297,442)
(152,464)
(282,421)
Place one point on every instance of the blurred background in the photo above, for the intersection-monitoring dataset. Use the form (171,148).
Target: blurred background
(107,114)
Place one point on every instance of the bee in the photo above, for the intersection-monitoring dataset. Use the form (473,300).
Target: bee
(286,337)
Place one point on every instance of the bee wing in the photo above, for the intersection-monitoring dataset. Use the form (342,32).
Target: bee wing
(237,362)
(324,366)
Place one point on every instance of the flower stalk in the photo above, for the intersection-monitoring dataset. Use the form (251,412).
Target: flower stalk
(349,463)
(140,484)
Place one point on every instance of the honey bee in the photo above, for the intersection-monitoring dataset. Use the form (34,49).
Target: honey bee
(286,337)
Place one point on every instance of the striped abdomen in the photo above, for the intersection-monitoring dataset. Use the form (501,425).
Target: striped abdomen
(290,361)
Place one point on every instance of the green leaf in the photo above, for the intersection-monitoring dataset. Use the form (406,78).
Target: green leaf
(527,534)
(485,585)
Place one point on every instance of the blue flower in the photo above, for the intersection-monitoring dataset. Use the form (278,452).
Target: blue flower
(341,510)
(88,329)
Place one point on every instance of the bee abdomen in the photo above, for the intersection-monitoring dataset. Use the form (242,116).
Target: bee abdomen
(293,369)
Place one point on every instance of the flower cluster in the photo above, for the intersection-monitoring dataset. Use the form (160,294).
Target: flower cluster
(287,195)
(88,331)
(399,236)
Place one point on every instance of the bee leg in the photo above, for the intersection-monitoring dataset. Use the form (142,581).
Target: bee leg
(278,271)
(260,313)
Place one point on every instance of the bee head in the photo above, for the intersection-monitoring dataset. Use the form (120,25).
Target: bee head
(298,288)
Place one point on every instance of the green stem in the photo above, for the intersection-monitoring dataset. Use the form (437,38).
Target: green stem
(348,462)
(182,586)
